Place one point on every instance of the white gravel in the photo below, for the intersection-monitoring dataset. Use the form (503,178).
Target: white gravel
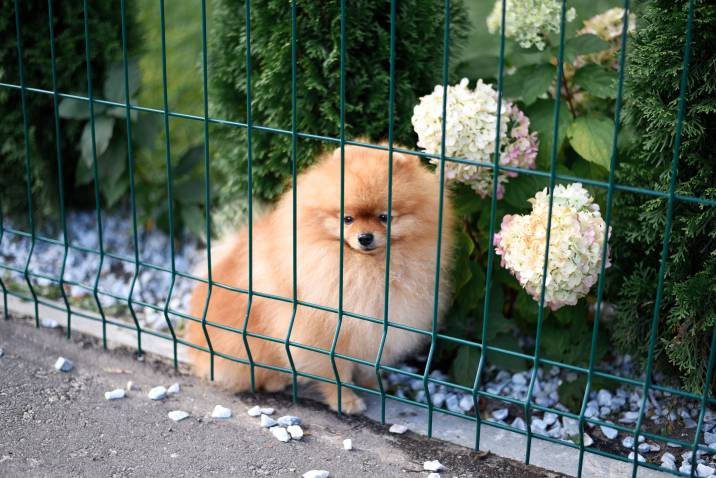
(433,465)
(268,422)
(280,433)
(177,415)
(288,420)
(157,393)
(347,444)
(254,411)
(115,394)
(173,389)
(220,412)
(399,429)
(64,365)
(295,431)
(316,474)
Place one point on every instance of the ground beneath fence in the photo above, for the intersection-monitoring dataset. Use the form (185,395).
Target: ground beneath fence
(59,424)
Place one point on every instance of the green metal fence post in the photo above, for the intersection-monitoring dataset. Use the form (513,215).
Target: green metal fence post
(339,321)
(28,170)
(249,133)
(95,175)
(170,184)
(441,206)
(607,222)
(667,233)
(391,124)
(491,236)
(552,181)
(60,176)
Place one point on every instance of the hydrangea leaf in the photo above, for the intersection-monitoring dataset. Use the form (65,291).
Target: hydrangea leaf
(591,138)
(529,82)
(597,80)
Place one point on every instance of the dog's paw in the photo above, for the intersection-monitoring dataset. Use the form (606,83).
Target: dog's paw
(351,403)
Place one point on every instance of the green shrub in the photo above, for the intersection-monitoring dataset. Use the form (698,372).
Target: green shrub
(418,68)
(68,24)
(688,309)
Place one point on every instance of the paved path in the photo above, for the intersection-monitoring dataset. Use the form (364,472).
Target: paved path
(59,424)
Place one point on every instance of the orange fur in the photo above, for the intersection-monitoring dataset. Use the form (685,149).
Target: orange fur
(416,193)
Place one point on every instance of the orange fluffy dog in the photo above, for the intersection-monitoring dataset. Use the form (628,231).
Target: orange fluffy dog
(414,226)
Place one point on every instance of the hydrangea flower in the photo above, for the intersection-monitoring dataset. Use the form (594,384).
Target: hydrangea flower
(470,133)
(607,26)
(528,21)
(575,245)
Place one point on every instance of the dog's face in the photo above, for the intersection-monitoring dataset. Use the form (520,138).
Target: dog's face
(365,218)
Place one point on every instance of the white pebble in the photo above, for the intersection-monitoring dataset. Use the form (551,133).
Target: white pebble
(49,323)
(288,420)
(130,386)
(295,431)
(685,468)
(639,457)
(114,394)
(399,429)
(177,415)
(609,432)
(453,404)
(157,393)
(433,465)
(267,411)
(316,474)
(64,365)
(433,475)
(549,418)
(173,389)
(2,352)
(668,457)
(347,444)
(628,442)
(519,424)
(466,403)
(280,433)
(703,470)
(588,441)
(254,411)
(221,412)
(268,422)
(500,413)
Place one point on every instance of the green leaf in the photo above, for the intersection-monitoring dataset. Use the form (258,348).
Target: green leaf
(147,129)
(583,45)
(464,367)
(189,160)
(103,127)
(113,191)
(597,80)
(541,115)
(506,341)
(71,108)
(591,138)
(479,66)
(83,174)
(190,191)
(114,86)
(194,220)
(120,112)
(522,188)
(461,271)
(529,82)
(113,162)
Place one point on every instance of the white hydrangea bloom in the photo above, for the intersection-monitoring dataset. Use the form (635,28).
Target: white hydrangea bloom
(575,245)
(528,21)
(470,133)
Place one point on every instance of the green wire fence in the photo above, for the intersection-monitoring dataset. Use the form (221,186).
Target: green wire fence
(592,372)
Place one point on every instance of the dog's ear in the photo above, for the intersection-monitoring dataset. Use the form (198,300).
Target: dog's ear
(405,161)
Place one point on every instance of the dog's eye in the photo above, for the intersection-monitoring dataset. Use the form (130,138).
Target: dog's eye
(348,219)
(383,218)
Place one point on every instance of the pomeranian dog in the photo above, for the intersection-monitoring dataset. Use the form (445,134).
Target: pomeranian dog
(413,251)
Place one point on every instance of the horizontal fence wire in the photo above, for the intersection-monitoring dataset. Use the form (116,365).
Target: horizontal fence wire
(592,371)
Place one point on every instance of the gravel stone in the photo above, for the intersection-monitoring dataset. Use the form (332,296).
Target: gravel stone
(280,433)
(267,411)
(433,475)
(115,394)
(177,415)
(347,444)
(466,403)
(288,420)
(157,393)
(433,465)
(254,411)
(173,389)
(703,470)
(64,365)
(316,474)
(49,323)
(609,432)
(588,441)
(399,429)
(295,431)
(268,422)
(221,412)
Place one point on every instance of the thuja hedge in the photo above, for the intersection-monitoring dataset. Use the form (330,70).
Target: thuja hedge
(68,25)
(688,310)
(418,68)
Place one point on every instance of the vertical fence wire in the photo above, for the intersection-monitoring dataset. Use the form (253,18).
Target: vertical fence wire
(28,168)
(491,235)
(5,312)
(249,133)
(389,213)
(60,175)
(170,183)
(441,205)
(667,234)
(207,188)
(607,223)
(95,174)
(294,204)
(704,401)
(545,267)
(342,107)
(130,164)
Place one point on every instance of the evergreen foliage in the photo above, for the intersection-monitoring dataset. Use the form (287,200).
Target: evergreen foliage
(418,68)
(688,310)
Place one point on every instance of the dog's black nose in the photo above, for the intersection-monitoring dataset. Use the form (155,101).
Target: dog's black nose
(365,239)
